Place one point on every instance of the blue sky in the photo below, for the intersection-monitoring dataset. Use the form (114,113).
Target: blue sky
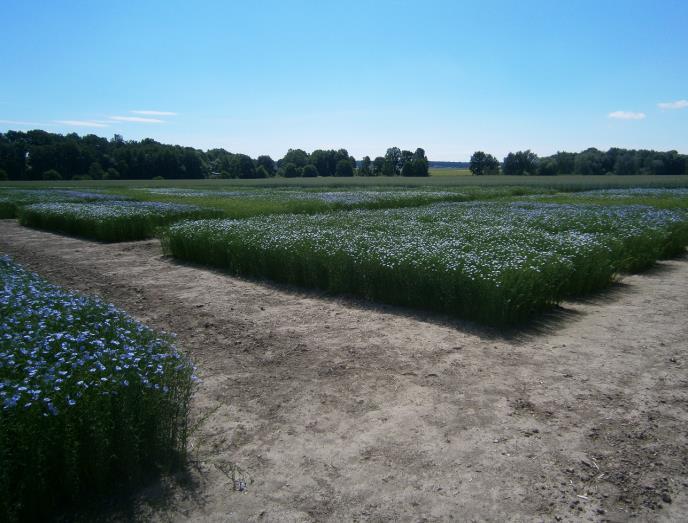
(262,76)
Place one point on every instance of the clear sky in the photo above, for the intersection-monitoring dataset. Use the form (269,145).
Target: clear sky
(262,76)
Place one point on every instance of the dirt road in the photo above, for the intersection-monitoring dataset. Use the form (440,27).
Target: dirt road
(331,409)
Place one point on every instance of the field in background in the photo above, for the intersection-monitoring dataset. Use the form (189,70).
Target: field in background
(432,236)
(450,172)
(571,182)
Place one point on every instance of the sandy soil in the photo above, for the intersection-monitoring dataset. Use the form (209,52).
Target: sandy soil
(330,409)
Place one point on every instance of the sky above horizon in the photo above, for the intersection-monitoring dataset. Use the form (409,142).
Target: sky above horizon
(265,76)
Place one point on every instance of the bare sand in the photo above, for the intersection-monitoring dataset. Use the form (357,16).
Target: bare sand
(333,409)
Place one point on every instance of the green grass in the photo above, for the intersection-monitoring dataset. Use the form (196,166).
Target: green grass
(496,263)
(92,402)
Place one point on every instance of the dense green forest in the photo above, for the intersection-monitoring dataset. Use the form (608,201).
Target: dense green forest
(589,162)
(40,155)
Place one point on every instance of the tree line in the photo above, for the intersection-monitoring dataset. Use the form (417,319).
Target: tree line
(40,155)
(36,155)
(589,162)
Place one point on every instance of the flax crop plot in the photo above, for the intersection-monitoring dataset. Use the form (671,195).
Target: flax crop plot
(499,263)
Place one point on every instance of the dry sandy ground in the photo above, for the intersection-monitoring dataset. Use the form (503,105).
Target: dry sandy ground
(329,409)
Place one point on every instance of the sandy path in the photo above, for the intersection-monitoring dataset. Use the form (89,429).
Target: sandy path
(331,409)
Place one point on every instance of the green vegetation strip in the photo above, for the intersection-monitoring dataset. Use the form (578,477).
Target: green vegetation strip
(12,199)
(497,263)
(246,203)
(676,198)
(111,221)
(226,202)
(92,401)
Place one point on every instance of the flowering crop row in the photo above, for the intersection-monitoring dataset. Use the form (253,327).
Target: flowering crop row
(675,198)
(630,192)
(258,202)
(494,262)
(11,199)
(89,398)
(109,220)
(334,199)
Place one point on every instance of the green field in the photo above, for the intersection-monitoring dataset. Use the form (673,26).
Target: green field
(497,249)
(450,172)
(570,182)
(82,211)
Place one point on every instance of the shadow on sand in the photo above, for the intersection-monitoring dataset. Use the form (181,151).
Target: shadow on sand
(152,496)
(546,322)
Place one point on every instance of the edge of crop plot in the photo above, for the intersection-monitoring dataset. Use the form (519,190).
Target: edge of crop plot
(496,263)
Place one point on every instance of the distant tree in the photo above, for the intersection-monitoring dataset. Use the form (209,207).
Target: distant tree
(342,154)
(158,178)
(520,163)
(324,162)
(242,166)
(378,166)
(3,175)
(261,172)
(392,166)
(310,171)
(352,161)
(610,158)
(298,157)
(547,167)
(27,155)
(482,163)
(674,163)
(626,164)
(406,157)
(217,163)
(421,167)
(566,162)
(344,168)
(407,169)
(95,171)
(388,169)
(365,169)
(111,174)
(290,170)
(51,174)
(266,162)
(590,162)
(420,163)
(13,150)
